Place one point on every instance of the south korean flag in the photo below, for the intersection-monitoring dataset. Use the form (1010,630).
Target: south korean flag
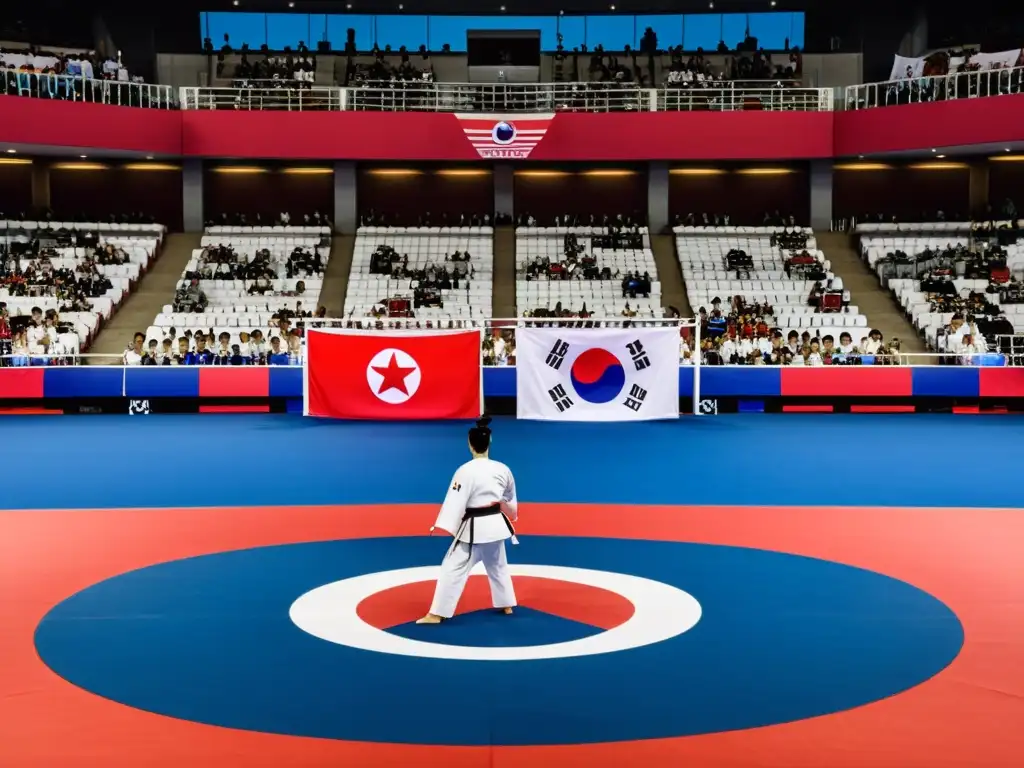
(597,374)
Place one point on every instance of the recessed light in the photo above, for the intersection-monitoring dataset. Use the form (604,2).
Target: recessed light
(1007,149)
(940,156)
(934,150)
(12,151)
(83,156)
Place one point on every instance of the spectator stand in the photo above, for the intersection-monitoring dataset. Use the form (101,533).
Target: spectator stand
(771,287)
(965,84)
(77,75)
(584,271)
(953,280)
(243,288)
(76,273)
(408,277)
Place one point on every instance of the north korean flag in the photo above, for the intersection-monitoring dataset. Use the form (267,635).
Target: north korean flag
(393,375)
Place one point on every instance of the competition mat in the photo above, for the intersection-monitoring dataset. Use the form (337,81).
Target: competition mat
(774,591)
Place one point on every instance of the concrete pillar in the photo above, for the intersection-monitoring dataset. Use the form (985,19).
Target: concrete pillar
(821,194)
(40,185)
(346,201)
(978,185)
(192,217)
(504,194)
(657,197)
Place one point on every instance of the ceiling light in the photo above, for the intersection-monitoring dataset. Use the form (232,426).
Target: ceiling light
(83,156)
(291,5)
(934,150)
(940,156)
(12,151)
(149,157)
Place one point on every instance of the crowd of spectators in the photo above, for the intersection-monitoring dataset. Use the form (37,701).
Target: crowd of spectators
(374,218)
(35,339)
(82,76)
(745,334)
(205,348)
(222,262)
(427,281)
(284,219)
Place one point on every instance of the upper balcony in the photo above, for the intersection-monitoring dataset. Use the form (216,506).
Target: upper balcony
(493,98)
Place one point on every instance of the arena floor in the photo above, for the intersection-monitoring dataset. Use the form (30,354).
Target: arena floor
(793,591)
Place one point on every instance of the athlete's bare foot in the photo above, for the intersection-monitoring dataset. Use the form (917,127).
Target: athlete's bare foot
(507,611)
(430,619)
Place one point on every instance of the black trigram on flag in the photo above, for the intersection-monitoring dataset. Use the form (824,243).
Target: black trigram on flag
(560,398)
(556,356)
(639,355)
(635,398)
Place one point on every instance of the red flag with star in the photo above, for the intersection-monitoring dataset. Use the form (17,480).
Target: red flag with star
(393,374)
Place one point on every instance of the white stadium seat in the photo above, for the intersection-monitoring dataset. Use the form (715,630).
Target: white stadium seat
(603,298)
(470,304)
(139,242)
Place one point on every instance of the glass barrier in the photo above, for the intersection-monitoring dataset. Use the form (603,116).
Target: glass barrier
(67,88)
(964,85)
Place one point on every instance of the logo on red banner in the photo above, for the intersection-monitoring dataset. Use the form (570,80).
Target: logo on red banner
(494,138)
(378,375)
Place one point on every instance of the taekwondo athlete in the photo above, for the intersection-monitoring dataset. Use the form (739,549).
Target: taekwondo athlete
(478,511)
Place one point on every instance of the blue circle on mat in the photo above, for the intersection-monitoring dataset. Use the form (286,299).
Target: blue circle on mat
(781,638)
(597,376)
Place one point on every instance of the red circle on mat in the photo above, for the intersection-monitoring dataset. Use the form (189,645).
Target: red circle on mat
(600,608)
(968,715)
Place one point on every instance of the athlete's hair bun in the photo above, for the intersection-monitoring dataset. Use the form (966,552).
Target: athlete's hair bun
(483,422)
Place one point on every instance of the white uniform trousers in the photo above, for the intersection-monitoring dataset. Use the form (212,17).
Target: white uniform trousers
(455,570)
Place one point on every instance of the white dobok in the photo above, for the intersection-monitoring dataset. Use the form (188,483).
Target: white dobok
(478,510)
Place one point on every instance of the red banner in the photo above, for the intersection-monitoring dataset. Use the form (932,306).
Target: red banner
(568,137)
(386,376)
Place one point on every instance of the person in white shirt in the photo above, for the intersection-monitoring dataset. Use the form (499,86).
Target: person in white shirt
(134,354)
(478,511)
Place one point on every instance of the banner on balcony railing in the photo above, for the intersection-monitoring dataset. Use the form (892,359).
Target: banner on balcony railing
(941,63)
(393,375)
(597,374)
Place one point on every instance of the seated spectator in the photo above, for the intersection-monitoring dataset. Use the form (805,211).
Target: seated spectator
(134,354)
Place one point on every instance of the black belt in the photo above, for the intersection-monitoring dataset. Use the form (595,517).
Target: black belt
(472,513)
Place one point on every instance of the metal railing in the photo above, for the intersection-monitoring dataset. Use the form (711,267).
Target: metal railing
(498,98)
(285,98)
(962,85)
(68,88)
(746,97)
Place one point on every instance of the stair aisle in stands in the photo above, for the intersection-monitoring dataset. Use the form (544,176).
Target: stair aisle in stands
(865,291)
(156,288)
(335,285)
(503,296)
(673,292)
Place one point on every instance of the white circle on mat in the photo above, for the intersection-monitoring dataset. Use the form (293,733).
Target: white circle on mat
(661,612)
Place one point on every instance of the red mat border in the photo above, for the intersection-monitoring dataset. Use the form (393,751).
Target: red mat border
(968,715)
